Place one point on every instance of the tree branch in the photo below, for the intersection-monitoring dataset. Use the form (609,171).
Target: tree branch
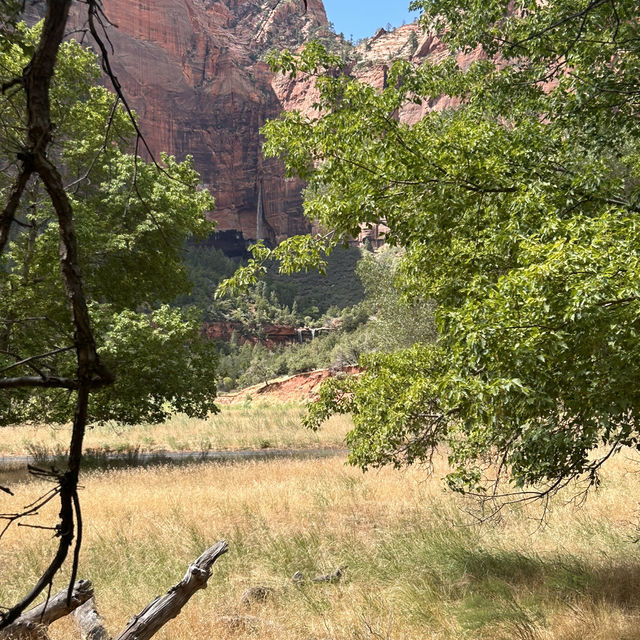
(8,213)
(552,27)
(44,614)
(38,357)
(68,485)
(49,382)
(157,613)
(37,77)
(90,622)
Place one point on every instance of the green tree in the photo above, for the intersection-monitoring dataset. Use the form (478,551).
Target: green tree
(90,241)
(394,322)
(412,43)
(517,207)
(131,223)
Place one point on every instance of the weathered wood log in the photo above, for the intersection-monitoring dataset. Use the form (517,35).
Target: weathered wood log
(33,624)
(157,613)
(90,622)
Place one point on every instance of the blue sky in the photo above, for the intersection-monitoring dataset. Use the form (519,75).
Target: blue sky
(362,18)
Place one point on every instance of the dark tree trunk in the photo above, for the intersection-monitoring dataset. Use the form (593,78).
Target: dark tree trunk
(36,82)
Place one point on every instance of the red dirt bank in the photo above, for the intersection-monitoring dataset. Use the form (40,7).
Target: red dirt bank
(300,388)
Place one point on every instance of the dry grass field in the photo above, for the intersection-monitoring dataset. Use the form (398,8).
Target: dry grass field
(248,426)
(415,566)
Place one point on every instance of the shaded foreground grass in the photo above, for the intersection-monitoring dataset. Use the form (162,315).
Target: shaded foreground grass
(254,426)
(415,569)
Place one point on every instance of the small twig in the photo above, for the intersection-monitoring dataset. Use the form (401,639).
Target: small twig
(36,526)
(38,357)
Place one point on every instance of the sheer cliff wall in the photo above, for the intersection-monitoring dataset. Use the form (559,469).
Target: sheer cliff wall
(192,70)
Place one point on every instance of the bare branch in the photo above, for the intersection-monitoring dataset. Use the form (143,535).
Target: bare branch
(49,382)
(90,622)
(44,614)
(96,16)
(38,357)
(65,533)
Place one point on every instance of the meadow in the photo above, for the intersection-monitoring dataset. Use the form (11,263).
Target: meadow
(416,564)
(243,426)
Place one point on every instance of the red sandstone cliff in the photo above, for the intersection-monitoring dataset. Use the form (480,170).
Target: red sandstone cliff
(192,71)
(371,60)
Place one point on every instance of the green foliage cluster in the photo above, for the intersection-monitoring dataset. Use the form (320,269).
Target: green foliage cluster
(382,322)
(517,208)
(254,309)
(131,220)
(396,322)
(249,364)
(292,299)
(339,286)
(332,41)
(412,43)
(206,267)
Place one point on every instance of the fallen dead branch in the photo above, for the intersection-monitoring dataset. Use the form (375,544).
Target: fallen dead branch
(33,625)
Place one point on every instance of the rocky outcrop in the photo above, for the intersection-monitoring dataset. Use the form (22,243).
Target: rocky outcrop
(370,62)
(303,387)
(269,334)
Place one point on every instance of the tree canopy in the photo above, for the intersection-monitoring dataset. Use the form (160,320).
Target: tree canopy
(518,209)
(131,223)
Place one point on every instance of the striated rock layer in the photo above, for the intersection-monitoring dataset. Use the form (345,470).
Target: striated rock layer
(192,71)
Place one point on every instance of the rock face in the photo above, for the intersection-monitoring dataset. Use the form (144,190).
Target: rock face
(370,62)
(192,71)
(302,387)
(271,335)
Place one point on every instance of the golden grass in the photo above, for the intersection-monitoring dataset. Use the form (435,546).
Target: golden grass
(254,426)
(415,568)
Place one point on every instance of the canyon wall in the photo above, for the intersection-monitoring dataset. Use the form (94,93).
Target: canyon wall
(370,62)
(192,70)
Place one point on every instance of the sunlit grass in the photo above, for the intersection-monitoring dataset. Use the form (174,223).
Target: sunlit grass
(416,568)
(253,426)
